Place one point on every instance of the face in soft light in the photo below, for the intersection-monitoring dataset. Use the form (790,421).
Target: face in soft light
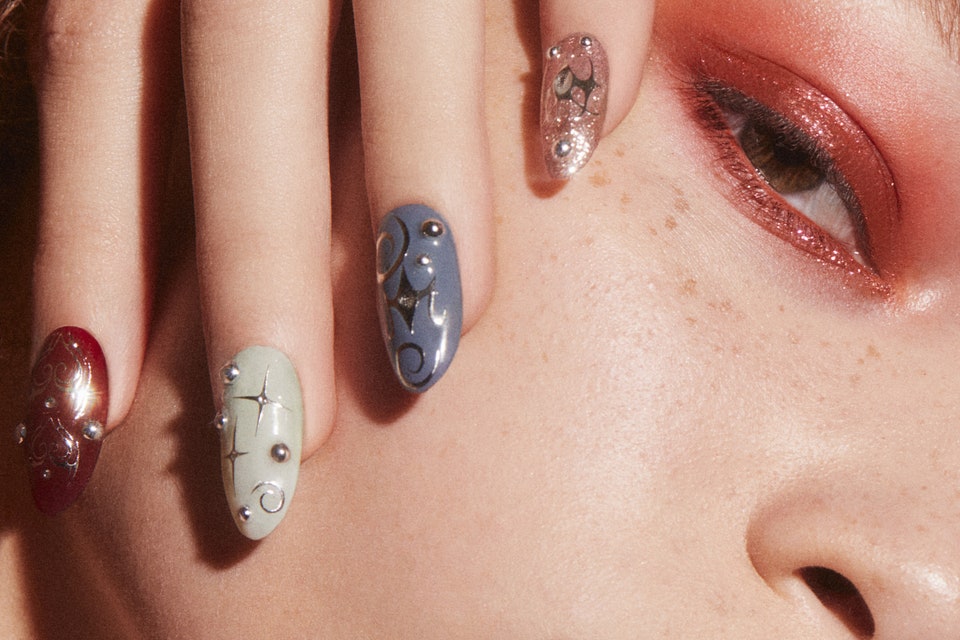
(709,399)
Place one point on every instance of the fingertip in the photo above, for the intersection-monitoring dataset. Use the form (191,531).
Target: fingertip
(594,56)
(66,417)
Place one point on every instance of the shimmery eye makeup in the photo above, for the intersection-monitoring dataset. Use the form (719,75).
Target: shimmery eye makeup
(799,166)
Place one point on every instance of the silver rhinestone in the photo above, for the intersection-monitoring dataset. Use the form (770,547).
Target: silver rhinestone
(220,422)
(50,403)
(20,434)
(432,228)
(229,373)
(244,514)
(554,52)
(423,260)
(280,452)
(586,41)
(46,474)
(93,430)
(563,149)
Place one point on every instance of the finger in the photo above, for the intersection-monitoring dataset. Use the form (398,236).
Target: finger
(428,175)
(105,75)
(594,54)
(255,78)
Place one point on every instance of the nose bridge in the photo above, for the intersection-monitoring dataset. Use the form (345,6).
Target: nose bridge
(891,536)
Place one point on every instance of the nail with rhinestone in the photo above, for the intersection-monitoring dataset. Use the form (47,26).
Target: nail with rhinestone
(419,299)
(261,432)
(66,414)
(573,103)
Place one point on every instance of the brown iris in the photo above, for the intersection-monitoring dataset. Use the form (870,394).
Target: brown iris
(786,168)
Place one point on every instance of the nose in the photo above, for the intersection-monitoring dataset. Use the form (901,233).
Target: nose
(866,554)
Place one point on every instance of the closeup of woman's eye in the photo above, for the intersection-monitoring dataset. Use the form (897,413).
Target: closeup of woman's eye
(793,166)
(786,171)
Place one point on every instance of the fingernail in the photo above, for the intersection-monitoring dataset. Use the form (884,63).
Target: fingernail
(573,103)
(261,430)
(66,416)
(420,301)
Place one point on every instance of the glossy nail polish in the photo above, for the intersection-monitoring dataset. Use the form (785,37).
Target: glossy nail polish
(420,300)
(573,103)
(261,431)
(66,416)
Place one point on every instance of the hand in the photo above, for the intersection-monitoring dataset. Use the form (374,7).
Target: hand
(255,81)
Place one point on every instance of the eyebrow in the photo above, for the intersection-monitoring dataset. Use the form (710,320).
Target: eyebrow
(944,16)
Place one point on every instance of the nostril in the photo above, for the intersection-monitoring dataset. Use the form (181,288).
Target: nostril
(839,596)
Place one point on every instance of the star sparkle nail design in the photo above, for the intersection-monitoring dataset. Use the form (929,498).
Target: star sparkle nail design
(573,103)
(263,400)
(261,429)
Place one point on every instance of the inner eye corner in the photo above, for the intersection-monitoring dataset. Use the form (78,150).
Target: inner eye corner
(841,598)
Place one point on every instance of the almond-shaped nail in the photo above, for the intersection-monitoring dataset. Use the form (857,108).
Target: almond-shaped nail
(573,103)
(66,416)
(420,300)
(261,431)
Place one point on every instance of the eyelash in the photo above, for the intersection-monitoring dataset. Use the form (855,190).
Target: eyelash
(712,102)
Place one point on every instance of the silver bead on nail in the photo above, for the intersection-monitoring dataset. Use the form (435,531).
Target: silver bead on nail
(423,259)
(220,422)
(280,452)
(229,373)
(563,148)
(50,403)
(554,52)
(244,513)
(586,41)
(20,434)
(432,228)
(93,430)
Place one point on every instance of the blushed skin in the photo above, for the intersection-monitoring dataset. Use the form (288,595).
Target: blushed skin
(665,414)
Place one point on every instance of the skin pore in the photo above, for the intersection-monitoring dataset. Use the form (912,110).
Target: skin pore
(670,421)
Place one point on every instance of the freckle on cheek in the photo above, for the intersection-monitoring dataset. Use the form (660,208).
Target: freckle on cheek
(600,179)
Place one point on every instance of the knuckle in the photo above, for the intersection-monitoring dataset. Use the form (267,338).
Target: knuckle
(80,33)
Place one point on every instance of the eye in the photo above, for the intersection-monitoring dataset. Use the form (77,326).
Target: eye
(799,170)
(796,161)
(817,211)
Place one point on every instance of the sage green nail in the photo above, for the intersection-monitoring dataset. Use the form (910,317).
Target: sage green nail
(261,423)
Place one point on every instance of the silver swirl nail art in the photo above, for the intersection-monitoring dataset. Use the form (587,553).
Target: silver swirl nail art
(573,103)
(420,299)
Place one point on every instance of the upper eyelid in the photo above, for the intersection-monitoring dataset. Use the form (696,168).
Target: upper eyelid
(813,110)
(822,159)
(778,216)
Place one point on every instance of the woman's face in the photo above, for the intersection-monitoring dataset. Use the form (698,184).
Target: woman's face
(689,409)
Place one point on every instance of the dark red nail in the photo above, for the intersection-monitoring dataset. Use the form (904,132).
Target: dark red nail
(66,416)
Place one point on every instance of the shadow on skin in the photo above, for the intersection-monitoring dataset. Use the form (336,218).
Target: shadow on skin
(362,365)
(527,17)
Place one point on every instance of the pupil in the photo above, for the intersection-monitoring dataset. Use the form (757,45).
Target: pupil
(787,169)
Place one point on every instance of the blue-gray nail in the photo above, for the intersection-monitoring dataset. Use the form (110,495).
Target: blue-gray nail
(420,301)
